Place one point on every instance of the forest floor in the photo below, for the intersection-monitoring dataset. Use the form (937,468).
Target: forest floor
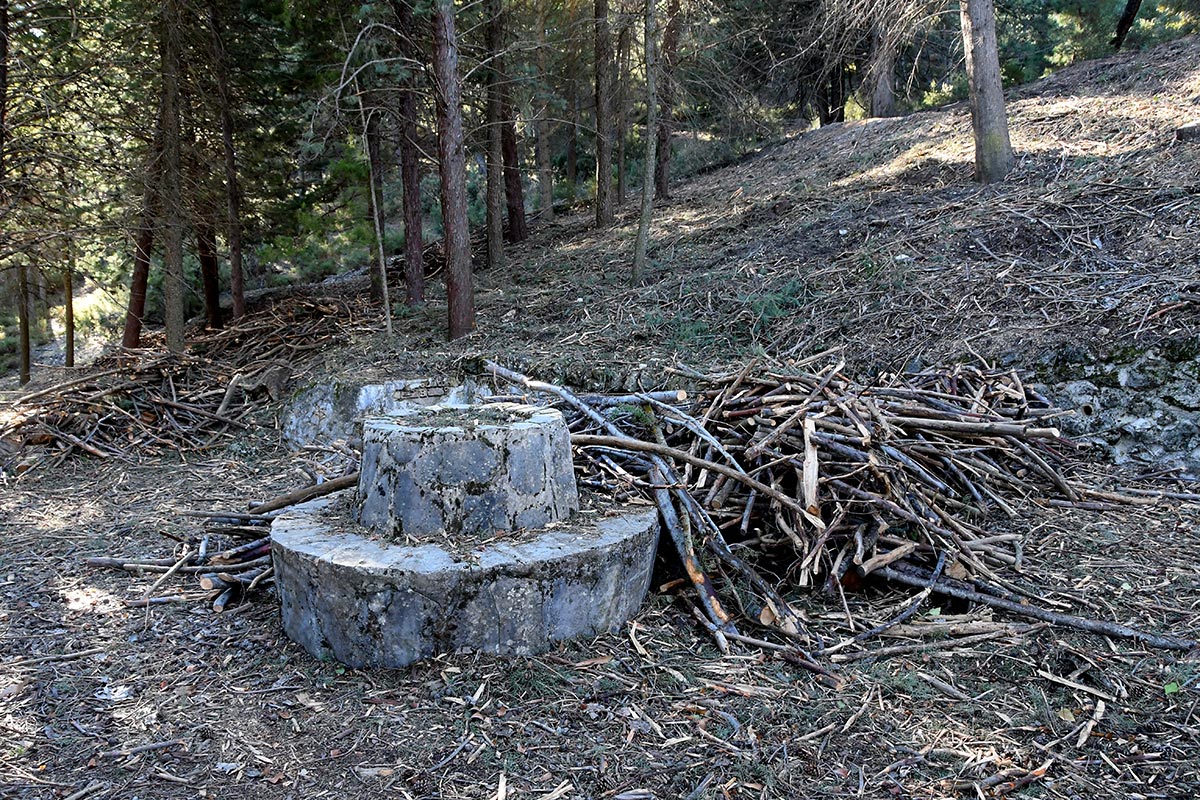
(869,237)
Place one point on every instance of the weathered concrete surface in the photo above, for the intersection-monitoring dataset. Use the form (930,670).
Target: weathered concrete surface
(369,604)
(446,471)
(333,409)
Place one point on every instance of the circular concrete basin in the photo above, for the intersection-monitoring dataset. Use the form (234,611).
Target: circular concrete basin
(371,603)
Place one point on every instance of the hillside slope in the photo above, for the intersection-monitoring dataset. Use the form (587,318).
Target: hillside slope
(872,237)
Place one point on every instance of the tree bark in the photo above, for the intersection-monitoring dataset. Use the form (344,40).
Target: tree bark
(643,235)
(542,125)
(993,150)
(514,192)
(495,145)
(604,128)
(69,306)
(410,171)
(1125,23)
(460,293)
(666,105)
(24,343)
(370,141)
(206,253)
(371,137)
(233,192)
(882,102)
(143,247)
(572,155)
(624,34)
(172,194)
(3,103)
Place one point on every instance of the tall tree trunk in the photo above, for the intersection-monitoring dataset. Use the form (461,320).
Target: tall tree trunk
(1125,23)
(495,144)
(3,103)
(643,234)
(410,171)
(670,55)
(143,246)
(604,125)
(882,77)
(24,343)
(371,137)
(233,192)
(142,249)
(514,192)
(993,150)
(542,125)
(69,306)
(624,34)
(369,121)
(174,289)
(206,253)
(460,293)
(572,133)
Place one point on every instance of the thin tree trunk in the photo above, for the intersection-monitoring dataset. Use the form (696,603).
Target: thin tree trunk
(542,125)
(604,127)
(495,144)
(1125,24)
(993,150)
(670,55)
(69,306)
(3,103)
(643,235)
(572,133)
(371,137)
(23,322)
(882,76)
(624,34)
(410,173)
(514,192)
(460,293)
(172,193)
(369,122)
(206,253)
(233,192)
(143,246)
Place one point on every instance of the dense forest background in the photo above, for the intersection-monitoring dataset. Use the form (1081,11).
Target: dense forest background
(286,142)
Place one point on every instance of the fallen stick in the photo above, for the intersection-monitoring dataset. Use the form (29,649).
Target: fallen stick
(1053,617)
(28,662)
(141,748)
(305,494)
(629,443)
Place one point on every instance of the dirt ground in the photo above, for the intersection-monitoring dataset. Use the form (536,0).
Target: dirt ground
(868,237)
(653,710)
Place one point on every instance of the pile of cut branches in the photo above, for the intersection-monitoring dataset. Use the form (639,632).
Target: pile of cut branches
(143,402)
(783,478)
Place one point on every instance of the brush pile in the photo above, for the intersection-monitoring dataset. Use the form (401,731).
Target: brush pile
(144,402)
(225,578)
(776,479)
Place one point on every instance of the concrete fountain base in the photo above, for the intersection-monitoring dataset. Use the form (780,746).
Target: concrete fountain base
(367,603)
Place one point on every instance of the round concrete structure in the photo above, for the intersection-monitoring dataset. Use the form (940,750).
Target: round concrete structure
(368,603)
(442,472)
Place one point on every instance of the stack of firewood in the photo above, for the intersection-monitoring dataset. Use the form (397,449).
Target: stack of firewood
(791,478)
